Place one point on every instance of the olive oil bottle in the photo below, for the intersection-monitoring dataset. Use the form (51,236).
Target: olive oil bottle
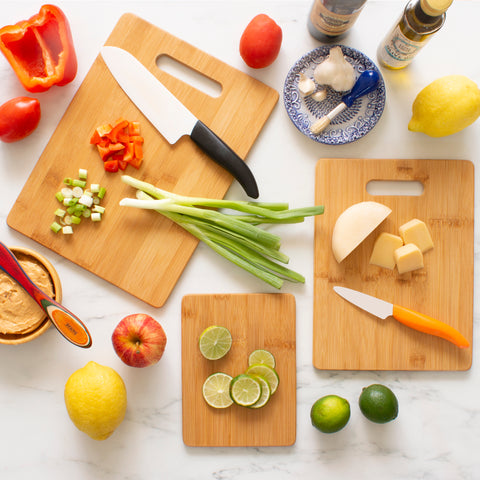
(329,19)
(419,21)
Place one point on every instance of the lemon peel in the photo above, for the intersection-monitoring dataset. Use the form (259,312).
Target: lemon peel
(96,400)
(445,106)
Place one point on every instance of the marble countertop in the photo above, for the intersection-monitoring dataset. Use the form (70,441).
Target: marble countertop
(436,435)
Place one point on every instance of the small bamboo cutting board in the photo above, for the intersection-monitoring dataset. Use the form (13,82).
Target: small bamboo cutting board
(255,321)
(348,338)
(140,252)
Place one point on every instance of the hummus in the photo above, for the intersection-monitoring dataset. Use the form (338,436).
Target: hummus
(19,313)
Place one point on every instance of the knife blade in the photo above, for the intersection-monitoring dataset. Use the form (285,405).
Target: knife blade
(410,318)
(170,117)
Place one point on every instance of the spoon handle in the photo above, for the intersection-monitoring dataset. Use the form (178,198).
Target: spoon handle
(71,327)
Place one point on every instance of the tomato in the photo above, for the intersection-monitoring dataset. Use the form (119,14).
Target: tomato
(19,117)
(260,42)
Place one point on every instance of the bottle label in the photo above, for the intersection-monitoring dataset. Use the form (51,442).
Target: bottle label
(330,23)
(397,50)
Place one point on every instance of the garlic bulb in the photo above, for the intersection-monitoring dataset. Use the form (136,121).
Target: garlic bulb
(335,71)
(306,85)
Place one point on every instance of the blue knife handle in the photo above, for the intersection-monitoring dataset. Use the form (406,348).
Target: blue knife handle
(365,83)
(222,154)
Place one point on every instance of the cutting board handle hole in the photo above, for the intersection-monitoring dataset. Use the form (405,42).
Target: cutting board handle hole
(189,75)
(412,188)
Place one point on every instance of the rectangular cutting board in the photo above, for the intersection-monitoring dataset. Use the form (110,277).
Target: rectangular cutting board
(140,252)
(347,338)
(255,321)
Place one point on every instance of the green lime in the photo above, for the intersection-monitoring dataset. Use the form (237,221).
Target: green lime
(266,393)
(216,390)
(267,373)
(261,356)
(245,390)
(215,342)
(330,413)
(378,403)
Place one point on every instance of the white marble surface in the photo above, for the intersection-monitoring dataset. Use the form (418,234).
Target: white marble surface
(436,435)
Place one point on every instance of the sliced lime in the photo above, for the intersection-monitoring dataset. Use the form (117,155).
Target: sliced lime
(266,393)
(261,356)
(245,390)
(216,390)
(267,373)
(215,342)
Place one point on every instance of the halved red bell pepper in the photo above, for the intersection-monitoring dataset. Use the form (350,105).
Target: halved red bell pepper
(40,49)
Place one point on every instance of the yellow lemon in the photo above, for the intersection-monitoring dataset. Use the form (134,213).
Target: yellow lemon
(96,400)
(445,106)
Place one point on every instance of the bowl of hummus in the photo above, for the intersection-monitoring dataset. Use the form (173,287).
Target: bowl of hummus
(21,318)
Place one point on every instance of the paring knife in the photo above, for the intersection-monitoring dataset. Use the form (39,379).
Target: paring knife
(170,117)
(410,318)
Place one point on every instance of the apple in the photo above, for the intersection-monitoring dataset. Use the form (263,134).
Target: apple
(139,340)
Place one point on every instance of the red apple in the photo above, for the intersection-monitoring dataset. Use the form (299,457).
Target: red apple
(139,340)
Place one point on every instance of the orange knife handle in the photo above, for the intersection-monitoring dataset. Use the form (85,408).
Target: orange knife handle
(426,324)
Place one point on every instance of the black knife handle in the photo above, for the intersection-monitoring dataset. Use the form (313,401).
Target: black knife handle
(222,154)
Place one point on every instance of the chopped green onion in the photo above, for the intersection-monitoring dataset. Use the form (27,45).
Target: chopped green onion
(67,192)
(98,209)
(82,173)
(77,192)
(101,192)
(60,212)
(59,196)
(75,219)
(79,183)
(67,181)
(55,227)
(96,216)
(95,187)
(67,230)
(85,200)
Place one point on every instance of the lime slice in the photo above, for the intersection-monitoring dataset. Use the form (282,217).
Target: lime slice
(215,342)
(261,356)
(266,393)
(267,373)
(245,390)
(216,390)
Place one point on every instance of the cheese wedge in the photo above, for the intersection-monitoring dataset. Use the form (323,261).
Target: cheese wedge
(415,231)
(408,258)
(385,246)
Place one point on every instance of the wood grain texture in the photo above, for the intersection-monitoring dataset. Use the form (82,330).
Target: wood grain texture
(140,252)
(347,338)
(255,321)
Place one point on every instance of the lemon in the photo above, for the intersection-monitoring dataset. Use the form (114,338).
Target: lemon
(216,390)
(445,106)
(330,413)
(378,403)
(215,342)
(96,400)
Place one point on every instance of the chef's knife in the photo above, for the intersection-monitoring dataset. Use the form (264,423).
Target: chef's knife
(410,318)
(170,117)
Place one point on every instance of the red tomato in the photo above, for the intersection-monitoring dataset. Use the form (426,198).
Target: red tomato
(19,117)
(260,42)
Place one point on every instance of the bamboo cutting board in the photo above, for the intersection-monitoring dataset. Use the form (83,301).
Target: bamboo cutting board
(138,251)
(255,321)
(346,337)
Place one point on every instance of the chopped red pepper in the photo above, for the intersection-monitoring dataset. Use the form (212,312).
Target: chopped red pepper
(40,49)
(119,145)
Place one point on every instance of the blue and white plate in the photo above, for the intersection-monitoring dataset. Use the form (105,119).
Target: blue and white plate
(350,125)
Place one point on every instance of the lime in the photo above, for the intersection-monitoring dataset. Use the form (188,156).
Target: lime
(330,413)
(267,373)
(245,390)
(215,342)
(266,393)
(378,403)
(261,356)
(216,390)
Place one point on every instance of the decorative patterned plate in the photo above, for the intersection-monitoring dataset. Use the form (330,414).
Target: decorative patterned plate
(350,125)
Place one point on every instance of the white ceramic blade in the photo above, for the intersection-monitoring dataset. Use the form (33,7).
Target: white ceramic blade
(166,113)
(372,305)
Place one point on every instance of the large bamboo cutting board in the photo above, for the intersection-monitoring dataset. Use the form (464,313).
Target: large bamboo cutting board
(255,321)
(347,338)
(138,251)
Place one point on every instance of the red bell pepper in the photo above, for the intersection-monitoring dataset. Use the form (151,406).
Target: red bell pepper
(40,49)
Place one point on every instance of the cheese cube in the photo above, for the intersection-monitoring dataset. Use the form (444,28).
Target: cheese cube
(408,258)
(415,231)
(385,245)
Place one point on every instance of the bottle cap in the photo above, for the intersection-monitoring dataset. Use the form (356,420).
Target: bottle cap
(435,8)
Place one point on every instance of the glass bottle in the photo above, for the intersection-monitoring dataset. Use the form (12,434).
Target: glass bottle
(330,19)
(419,21)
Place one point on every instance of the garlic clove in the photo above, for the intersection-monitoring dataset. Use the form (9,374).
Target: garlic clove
(319,96)
(306,85)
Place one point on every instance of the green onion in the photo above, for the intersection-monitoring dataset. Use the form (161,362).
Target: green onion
(234,236)
(55,227)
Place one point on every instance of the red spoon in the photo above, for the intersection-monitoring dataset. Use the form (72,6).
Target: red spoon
(66,322)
